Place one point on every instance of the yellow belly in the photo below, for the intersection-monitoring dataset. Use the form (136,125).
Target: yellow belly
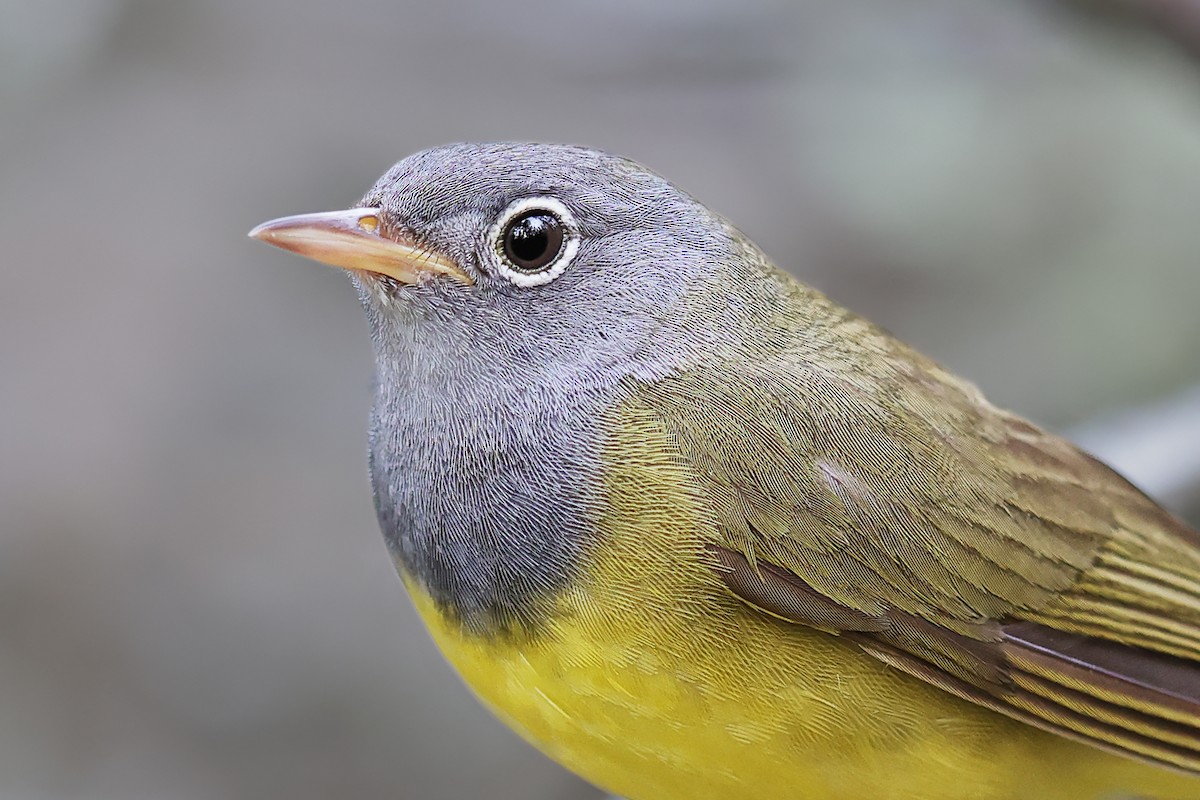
(670,706)
(653,682)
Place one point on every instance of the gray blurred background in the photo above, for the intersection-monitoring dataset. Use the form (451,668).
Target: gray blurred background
(194,599)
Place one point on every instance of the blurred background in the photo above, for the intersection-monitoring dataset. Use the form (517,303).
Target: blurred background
(194,599)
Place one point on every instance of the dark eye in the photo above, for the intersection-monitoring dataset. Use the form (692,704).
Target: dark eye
(533,240)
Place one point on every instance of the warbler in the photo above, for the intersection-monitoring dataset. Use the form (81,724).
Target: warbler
(696,531)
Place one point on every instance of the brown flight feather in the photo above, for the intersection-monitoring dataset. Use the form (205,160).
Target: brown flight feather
(863,490)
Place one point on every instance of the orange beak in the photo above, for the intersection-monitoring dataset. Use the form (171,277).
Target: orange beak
(352,240)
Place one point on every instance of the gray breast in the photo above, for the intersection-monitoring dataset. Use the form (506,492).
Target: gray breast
(485,490)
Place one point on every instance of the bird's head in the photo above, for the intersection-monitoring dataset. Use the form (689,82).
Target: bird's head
(550,256)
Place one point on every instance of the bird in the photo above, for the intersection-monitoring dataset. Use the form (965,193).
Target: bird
(697,531)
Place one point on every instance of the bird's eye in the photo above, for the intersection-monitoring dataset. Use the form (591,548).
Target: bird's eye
(534,240)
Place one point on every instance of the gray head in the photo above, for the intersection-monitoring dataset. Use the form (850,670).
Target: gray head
(575,258)
(514,292)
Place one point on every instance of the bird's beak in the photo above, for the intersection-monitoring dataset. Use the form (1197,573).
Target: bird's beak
(352,240)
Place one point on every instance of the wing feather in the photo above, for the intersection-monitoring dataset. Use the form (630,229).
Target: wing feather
(862,490)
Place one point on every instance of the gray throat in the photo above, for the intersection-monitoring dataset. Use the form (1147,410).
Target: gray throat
(490,419)
(485,481)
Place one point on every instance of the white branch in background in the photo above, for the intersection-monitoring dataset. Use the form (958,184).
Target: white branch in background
(1156,446)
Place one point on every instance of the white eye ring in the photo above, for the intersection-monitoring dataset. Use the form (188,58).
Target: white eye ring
(566,252)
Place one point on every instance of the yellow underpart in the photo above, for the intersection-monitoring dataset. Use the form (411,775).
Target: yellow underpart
(653,682)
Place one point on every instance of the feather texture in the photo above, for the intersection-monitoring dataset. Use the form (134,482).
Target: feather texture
(866,491)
